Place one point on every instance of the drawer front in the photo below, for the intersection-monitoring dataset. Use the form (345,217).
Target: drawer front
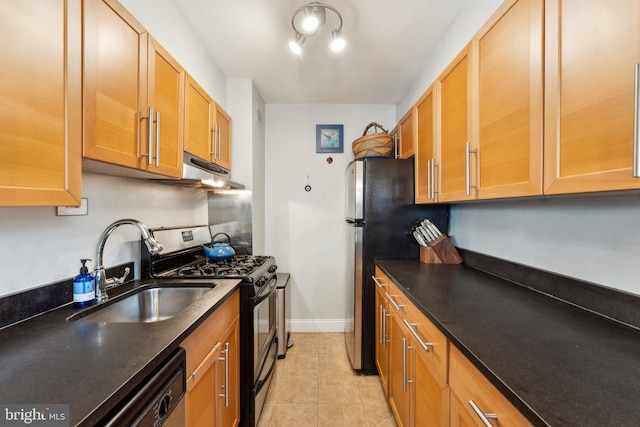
(470,388)
(201,341)
(435,356)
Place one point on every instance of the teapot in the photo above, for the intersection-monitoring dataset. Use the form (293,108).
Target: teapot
(220,250)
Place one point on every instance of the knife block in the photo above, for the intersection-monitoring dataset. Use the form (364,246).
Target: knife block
(427,256)
(440,251)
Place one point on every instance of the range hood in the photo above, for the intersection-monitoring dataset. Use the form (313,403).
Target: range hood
(198,173)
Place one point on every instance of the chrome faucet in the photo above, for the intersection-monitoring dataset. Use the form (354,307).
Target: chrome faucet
(102,283)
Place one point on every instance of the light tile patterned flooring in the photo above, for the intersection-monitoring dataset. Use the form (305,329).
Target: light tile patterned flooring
(314,385)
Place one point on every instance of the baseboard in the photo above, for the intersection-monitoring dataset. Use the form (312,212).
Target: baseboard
(319,325)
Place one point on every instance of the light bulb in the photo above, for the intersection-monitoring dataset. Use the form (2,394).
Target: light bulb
(337,44)
(310,23)
(295,47)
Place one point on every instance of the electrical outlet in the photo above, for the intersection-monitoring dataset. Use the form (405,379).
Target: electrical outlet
(83,209)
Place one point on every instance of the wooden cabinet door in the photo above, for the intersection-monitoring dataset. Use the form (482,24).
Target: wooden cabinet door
(201,396)
(431,393)
(40,103)
(228,378)
(400,371)
(382,333)
(115,89)
(198,120)
(511,101)
(166,97)
(425,148)
(454,89)
(406,132)
(223,132)
(591,48)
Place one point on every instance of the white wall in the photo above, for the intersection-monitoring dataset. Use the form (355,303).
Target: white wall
(592,238)
(38,247)
(247,157)
(306,230)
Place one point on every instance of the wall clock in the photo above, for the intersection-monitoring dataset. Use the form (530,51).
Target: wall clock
(329,138)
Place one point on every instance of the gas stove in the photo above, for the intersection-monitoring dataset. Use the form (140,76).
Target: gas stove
(183,257)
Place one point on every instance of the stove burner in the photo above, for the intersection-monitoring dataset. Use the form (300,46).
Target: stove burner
(237,266)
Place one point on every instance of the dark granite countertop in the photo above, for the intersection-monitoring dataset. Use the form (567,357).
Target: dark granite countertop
(559,364)
(91,366)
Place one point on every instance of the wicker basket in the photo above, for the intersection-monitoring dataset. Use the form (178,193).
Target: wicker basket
(379,144)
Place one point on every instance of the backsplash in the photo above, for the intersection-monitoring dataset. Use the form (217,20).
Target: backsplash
(611,303)
(23,305)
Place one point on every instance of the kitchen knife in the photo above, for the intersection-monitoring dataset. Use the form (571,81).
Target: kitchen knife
(419,239)
(431,236)
(428,237)
(431,226)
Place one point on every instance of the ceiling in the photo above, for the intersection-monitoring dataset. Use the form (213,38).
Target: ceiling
(387,43)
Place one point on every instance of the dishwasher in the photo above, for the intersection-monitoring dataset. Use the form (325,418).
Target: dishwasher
(160,399)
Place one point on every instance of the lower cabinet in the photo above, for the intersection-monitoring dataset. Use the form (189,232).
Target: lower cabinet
(382,329)
(418,390)
(213,395)
(475,401)
(428,381)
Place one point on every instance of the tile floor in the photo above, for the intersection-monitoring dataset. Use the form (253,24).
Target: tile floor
(315,386)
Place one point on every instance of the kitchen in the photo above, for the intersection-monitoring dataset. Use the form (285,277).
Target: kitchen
(590,238)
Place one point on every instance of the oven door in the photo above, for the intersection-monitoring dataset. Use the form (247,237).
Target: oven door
(264,323)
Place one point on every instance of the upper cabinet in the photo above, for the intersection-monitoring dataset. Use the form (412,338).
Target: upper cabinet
(537,103)
(403,136)
(222,139)
(40,103)
(207,132)
(454,91)
(425,148)
(133,93)
(591,51)
(510,103)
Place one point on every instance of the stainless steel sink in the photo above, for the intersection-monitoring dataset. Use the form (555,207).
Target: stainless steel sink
(149,304)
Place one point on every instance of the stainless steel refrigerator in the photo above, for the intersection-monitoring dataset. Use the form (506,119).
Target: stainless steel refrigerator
(380,212)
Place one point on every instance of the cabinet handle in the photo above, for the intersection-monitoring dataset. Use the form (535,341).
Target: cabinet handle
(636,125)
(219,142)
(226,375)
(216,150)
(149,155)
(433,178)
(157,139)
(384,327)
(214,145)
(428,179)
(397,306)
(405,380)
(484,418)
(377,282)
(467,152)
(395,146)
(424,345)
(381,316)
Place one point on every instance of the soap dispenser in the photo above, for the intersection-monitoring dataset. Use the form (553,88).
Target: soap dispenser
(84,290)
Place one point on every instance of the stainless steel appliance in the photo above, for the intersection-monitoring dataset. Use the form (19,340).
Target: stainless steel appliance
(183,257)
(282,310)
(159,401)
(380,213)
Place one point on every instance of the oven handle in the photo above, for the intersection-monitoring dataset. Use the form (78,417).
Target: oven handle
(259,383)
(266,291)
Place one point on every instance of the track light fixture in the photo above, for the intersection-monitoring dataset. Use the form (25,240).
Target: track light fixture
(308,19)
